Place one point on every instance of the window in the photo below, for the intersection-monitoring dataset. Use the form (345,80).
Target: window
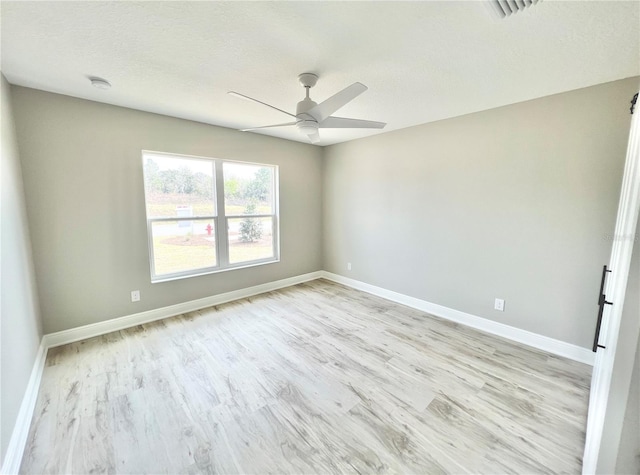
(208,215)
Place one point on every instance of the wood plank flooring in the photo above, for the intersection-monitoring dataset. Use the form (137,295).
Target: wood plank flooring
(315,378)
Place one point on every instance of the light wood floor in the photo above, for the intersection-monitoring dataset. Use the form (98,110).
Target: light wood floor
(315,378)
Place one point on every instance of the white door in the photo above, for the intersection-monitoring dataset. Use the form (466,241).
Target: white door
(615,289)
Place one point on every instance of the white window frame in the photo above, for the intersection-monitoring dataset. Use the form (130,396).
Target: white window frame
(220,217)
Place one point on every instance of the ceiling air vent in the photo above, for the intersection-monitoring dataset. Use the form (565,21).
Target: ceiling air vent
(504,8)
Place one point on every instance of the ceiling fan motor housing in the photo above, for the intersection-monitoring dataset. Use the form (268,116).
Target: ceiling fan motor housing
(305,122)
(304,106)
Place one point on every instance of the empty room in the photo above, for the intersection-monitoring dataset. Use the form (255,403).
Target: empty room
(320,237)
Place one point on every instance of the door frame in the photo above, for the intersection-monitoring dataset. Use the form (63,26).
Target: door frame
(615,289)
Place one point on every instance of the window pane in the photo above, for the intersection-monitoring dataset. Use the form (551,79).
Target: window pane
(250,239)
(248,189)
(180,246)
(176,186)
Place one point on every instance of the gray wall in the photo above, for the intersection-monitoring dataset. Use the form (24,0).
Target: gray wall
(19,312)
(84,191)
(516,202)
(621,392)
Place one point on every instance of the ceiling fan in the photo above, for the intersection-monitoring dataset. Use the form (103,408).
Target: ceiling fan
(310,116)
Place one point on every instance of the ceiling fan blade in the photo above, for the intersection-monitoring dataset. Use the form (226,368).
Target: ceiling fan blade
(268,126)
(314,138)
(344,123)
(335,102)
(247,98)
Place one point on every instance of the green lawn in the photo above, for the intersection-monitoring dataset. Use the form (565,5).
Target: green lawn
(243,252)
(171,258)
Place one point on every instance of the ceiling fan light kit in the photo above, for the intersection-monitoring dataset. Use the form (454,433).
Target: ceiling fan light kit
(311,116)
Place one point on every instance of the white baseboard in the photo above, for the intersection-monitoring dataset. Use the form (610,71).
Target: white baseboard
(18,441)
(541,342)
(550,345)
(96,329)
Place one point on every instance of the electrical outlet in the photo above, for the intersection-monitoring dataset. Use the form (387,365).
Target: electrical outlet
(499,305)
(135,296)
(348,265)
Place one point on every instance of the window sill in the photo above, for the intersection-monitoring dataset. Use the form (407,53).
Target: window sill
(159,280)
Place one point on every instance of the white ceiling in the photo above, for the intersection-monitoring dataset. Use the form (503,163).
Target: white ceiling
(422,61)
